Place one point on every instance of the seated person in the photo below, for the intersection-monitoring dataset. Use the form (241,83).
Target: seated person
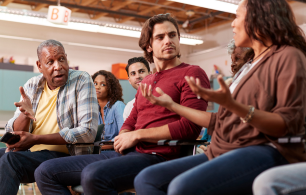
(266,101)
(282,180)
(111,106)
(239,56)
(56,108)
(137,69)
(135,147)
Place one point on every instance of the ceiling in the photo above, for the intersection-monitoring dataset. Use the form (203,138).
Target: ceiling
(139,11)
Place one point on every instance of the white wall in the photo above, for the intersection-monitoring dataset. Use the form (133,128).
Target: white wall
(207,59)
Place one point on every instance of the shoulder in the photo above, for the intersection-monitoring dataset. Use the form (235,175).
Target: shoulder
(79,79)
(118,104)
(288,60)
(76,74)
(289,52)
(196,71)
(34,82)
(193,69)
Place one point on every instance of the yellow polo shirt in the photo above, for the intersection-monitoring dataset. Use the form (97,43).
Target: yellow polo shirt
(46,120)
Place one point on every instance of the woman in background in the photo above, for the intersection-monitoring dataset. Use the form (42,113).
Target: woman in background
(111,106)
(239,55)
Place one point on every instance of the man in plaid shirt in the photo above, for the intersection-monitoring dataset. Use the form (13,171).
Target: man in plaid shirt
(58,107)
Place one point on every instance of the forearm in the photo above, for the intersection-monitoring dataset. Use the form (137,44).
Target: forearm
(198,117)
(124,131)
(154,134)
(50,139)
(21,123)
(266,122)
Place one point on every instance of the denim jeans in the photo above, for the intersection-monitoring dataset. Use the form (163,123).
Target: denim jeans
(104,173)
(19,167)
(230,173)
(283,180)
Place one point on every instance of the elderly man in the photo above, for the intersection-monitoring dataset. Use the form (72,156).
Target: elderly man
(56,108)
(137,69)
(111,172)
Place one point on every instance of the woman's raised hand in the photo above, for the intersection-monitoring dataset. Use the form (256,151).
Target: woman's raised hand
(221,96)
(163,100)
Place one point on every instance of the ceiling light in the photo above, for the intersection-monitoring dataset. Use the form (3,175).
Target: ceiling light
(211,4)
(73,44)
(30,17)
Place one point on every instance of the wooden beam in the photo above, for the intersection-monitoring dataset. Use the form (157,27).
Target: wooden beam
(115,8)
(191,7)
(210,26)
(146,11)
(6,2)
(84,3)
(40,6)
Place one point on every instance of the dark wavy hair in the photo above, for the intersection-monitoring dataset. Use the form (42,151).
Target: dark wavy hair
(147,32)
(274,20)
(114,89)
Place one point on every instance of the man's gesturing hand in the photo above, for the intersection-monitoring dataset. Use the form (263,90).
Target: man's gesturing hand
(25,105)
(163,100)
(125,141)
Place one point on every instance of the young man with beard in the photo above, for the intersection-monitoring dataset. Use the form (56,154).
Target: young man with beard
(137,69)
(135,146)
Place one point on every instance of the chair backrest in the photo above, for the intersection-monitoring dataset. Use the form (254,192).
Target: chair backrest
(99,132)
(98,139)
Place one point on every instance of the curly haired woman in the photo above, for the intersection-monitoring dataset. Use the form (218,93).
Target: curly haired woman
(111,106)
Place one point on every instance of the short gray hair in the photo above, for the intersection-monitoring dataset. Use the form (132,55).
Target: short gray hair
(231,47)
(48,43)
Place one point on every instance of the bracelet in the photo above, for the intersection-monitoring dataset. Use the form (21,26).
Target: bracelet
(249,115)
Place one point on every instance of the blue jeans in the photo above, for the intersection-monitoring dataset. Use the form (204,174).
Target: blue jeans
(19,167)
(230,173)
(104,173)
(283,180)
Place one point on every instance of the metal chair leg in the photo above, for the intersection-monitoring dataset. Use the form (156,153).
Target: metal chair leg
(33,186)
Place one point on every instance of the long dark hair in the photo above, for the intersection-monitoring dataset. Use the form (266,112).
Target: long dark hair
(274,20)
(114,89)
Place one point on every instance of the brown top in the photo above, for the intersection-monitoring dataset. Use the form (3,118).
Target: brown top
(277,83)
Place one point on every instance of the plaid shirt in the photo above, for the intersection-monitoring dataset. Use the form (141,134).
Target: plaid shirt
(76,107)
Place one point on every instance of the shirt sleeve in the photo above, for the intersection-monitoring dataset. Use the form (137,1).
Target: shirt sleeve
(130,122)
(183,128)
(119,115)
(212,123)
(87,113)
(290,90)
(127,110)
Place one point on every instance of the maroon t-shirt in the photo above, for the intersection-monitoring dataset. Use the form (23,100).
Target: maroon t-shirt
(145,115)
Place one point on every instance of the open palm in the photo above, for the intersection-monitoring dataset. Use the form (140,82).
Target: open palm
(25,105)
(163,100)
(221,96)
